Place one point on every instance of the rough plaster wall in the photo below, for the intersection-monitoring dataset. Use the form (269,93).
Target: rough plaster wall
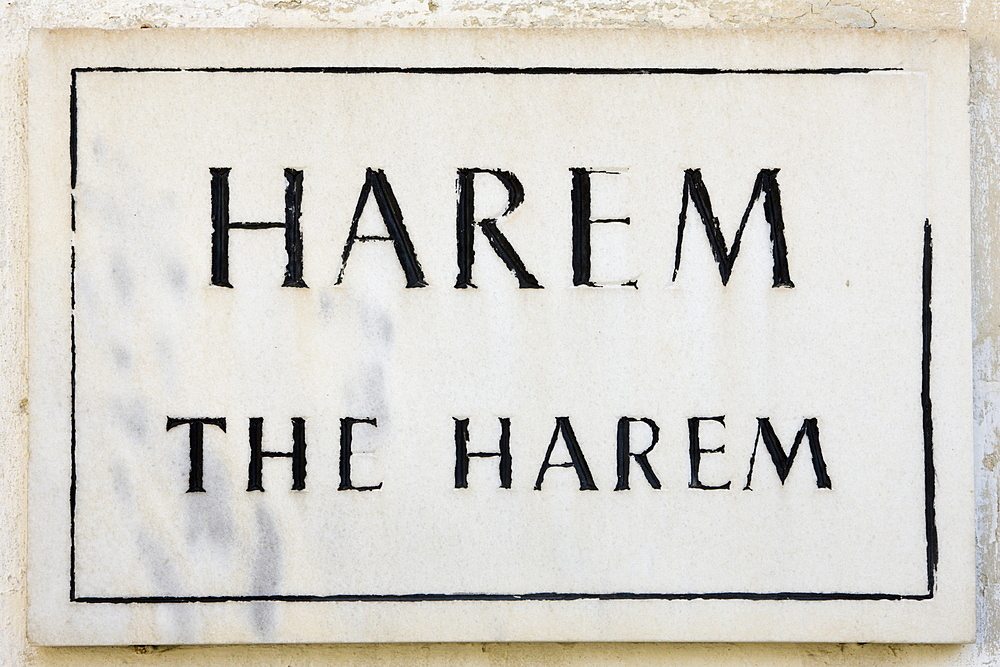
(980,18)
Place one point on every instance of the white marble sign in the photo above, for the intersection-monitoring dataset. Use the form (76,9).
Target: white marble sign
(500,336)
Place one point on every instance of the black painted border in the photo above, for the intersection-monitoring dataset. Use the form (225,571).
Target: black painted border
(925,398)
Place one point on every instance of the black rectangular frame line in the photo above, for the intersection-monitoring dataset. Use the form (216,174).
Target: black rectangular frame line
(925,399)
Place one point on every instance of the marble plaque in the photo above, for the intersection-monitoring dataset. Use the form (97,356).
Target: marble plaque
(357,336)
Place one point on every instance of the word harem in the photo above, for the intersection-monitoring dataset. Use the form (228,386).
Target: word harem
(377,186)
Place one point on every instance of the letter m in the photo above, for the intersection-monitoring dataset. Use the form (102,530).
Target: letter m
(783,462)
(766,184)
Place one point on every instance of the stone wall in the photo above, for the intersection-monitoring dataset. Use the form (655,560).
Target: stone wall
(979,18)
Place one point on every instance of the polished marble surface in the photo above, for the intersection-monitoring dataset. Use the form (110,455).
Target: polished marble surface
(250,432)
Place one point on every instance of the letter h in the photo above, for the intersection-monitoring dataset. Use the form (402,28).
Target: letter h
(462,453)
(221,226)
(255,480)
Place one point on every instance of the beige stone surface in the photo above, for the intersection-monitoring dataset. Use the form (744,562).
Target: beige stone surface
(979,18)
